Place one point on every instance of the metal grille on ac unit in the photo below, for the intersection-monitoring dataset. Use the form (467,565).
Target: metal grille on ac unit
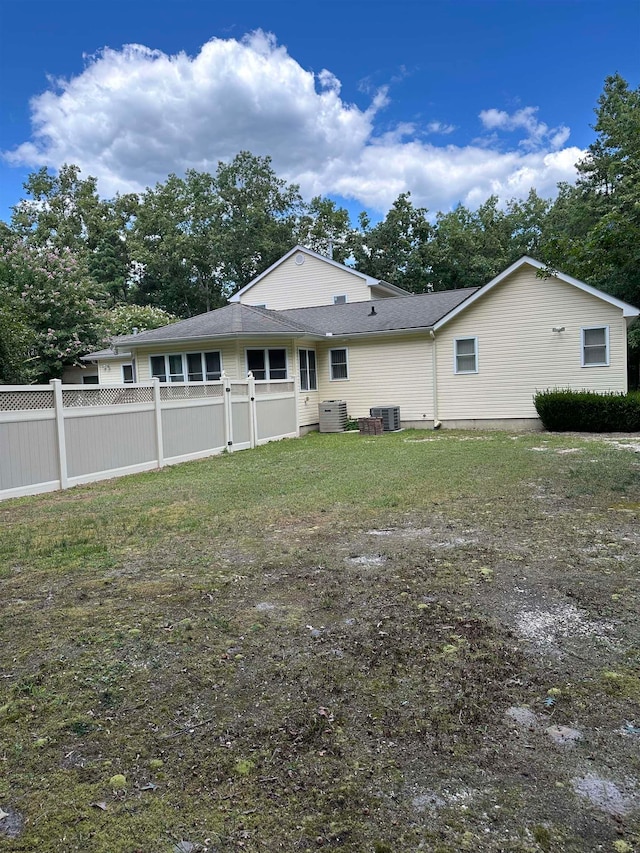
(333,416)
(390,416)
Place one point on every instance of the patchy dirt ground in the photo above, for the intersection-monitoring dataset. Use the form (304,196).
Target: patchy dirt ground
(462,674)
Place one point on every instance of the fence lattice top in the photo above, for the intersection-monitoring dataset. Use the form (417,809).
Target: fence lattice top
(20,401)
(106,396)
(189,392)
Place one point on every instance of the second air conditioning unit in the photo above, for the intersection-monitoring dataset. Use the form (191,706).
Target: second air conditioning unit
(390,416)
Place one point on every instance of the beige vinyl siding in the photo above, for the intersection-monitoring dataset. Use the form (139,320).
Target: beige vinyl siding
(110,372)
(312,283)
(518,353)
(383,371)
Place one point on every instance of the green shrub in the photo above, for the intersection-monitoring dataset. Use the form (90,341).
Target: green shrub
(586,411)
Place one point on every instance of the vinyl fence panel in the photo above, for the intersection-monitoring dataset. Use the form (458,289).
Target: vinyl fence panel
(56,436)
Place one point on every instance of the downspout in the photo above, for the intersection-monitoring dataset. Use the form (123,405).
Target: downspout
(434,379)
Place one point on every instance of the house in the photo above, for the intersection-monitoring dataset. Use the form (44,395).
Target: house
(467,357)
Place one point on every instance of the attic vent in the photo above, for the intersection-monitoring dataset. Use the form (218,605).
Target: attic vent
(299,259)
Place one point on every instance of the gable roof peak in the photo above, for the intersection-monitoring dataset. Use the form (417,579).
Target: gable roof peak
(298,249)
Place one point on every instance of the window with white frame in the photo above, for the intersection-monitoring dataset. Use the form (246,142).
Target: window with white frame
(267,363)
(338,364)
(203,366)
(308,372)
(340,300)
(465,355)
(192,366)
(595,346)
(128,375)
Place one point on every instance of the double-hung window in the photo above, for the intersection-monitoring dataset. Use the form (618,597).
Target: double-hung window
(128,374)
(267,363)
(308,373)
(595,346)
(465,355)
(338,364)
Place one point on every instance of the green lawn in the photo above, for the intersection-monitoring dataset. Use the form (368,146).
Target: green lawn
(341,642)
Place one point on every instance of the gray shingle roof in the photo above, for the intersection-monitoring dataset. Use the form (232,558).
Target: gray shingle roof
(393,314)
(234,319)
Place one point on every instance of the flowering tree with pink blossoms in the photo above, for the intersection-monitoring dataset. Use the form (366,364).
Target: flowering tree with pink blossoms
(50,311)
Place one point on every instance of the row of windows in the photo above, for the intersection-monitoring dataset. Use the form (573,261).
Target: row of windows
(191,367)
(272,363)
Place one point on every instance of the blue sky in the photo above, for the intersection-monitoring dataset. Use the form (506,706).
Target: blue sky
(357,100)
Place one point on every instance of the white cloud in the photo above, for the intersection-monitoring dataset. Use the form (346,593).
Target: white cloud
(538,134)
(135,115)
(440,127)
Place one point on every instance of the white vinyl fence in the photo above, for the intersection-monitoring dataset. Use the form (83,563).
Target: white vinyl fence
(56,436)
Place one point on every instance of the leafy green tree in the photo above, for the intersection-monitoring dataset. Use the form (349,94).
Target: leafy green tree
(258,218)
(126,319)
(593,229)
(470,247)
(397,248)
(175,240)
(60,317)
(202,237)
(323,227)
(63,210)
(16,338)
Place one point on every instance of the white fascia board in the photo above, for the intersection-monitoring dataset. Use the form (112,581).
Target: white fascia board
(627,310)
(367,278)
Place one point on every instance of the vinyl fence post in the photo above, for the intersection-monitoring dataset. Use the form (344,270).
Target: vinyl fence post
(58,408)
(157,411)
(228,414)
(253,410)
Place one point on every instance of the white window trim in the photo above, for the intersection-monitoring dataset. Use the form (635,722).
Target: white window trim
(203,364)
(267,366)
(185,365)
(346,357)
(605,363)
(455,355)
(342,297)
(307,350)
(133,373)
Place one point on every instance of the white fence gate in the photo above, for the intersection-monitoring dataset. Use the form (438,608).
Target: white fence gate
(56,436)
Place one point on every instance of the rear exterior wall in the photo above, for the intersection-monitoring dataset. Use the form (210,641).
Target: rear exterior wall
(519,354)
(392,370)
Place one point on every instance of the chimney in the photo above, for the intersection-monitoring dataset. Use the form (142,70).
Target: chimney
(330,250)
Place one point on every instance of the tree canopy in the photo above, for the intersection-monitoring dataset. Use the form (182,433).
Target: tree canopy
(76,268)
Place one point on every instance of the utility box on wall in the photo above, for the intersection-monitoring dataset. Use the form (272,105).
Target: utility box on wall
(333,416)
(390,416)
